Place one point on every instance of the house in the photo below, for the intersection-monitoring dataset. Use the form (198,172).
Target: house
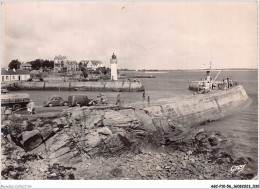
(91,64)
(59,63)
(26,66)
(14,75)
(71,65)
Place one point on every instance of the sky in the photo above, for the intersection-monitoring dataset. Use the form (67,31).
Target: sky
(143,35)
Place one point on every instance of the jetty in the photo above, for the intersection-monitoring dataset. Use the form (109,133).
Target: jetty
(118,86)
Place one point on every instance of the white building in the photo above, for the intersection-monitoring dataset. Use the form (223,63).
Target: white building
(15,75)
(91,64)
(113,62)
(59,63)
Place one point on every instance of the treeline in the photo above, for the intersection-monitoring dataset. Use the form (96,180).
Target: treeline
(36,64)
(41,64)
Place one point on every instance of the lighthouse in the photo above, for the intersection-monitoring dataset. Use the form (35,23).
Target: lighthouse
(113,62)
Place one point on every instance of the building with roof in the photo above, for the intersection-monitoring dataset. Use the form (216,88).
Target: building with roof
(26,66)
(71,65)
(14,75)
(59,63)
(91,64)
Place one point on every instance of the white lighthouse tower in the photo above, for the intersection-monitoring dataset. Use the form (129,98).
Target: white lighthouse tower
(113,62)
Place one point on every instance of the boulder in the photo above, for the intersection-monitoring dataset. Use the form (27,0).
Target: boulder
(104,131)
(61,121)
(31,139)
(93,139)
(146,121)
(46,131)
(116,143)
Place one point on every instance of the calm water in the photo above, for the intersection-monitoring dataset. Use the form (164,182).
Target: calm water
(241,128)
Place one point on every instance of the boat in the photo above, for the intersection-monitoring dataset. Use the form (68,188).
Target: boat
(208,84)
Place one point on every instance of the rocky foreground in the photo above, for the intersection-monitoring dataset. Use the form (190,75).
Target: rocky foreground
(114,143)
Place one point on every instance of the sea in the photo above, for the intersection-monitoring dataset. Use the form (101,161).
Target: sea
(241,128)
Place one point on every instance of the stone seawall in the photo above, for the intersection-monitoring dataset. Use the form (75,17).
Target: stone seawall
(120,86)
(201,107)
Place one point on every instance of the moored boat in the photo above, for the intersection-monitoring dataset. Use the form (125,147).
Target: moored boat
(208,84)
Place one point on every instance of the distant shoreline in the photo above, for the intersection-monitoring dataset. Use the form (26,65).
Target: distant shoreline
(226,69)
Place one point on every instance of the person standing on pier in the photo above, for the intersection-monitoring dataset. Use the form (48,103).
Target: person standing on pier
(118,100)
(143,95)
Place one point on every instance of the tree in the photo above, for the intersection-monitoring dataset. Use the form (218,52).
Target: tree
(48,64)
(84,72)
(14,64)
(38,64)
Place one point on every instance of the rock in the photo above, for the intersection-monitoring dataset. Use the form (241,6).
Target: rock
(207,170)
(61,121)
(104,131)
(93,139)
(61,148)
(241,161)
(163,154)
(116,172)
(158,168)
(206,176)
(162,177)
(116,143)
(189,152)
(200,177)
(184,165)
(53,175)
(31,139)
(46,131)
(60,152)
(167,167)
(145,120)
(192,160)
(55,130)
(213,141)
(40,150)
(200,131)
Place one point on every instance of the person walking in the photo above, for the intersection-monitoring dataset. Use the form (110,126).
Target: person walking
(30,107)
(118,100)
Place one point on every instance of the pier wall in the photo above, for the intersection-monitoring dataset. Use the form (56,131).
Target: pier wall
(120,86)
(201,108)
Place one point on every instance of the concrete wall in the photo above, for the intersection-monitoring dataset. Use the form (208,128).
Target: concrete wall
(119,86)
(199,108)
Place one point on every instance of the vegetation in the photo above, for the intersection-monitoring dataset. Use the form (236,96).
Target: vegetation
(14,64)
(41,64)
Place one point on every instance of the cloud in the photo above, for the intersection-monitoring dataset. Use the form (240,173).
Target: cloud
(165,35)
